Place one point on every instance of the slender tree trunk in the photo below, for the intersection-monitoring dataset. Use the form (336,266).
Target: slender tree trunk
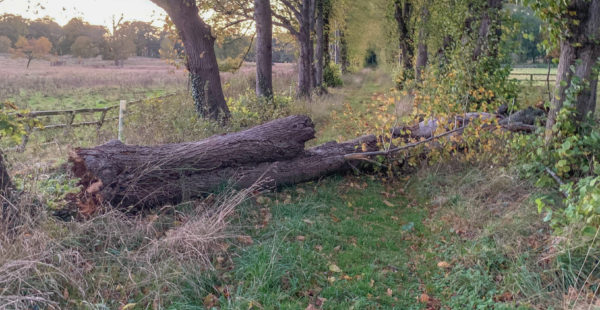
(402,15)
(305,60)
(326,28)
(264,48)
(198,43)
(320,48)
(344,63)
(5,182)
(489,30)
(422,56)
(29,59)
(579,49)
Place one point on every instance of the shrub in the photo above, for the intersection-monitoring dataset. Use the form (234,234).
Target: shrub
(5,44)
(332,75)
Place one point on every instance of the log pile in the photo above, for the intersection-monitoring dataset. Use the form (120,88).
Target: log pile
(133,177)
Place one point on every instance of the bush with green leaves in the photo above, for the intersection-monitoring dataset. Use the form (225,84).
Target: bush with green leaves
(332,75)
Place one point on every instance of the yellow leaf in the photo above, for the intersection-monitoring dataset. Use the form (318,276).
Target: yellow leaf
(128,306)
(334,268)
(387,203)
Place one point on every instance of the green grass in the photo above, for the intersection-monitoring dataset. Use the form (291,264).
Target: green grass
(359,243)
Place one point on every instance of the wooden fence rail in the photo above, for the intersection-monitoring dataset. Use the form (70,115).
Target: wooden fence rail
(70,118)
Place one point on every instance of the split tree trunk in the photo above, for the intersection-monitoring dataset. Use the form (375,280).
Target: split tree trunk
(198,43)
(264,48)
(131,177)
(580,49)
(139,175)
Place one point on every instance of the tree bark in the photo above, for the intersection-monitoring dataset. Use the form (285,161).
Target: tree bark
(490,32)
(305,77)
(128,175)
(264,48)
(320,47)
(580,48)
(344,61)
(5,181)
(422,55)
(132,177)
(402,16)
(198,43)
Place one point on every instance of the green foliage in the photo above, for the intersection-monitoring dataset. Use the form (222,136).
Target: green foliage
(248,109)
(12,122)
(332,75)
(84,47)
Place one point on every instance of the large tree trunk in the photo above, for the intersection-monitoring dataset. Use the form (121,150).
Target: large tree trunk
(198,42)
(131,177)
(138,175)
(264,49)
(579,49)
(402,15)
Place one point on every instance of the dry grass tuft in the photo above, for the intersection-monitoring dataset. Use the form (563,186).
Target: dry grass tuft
(106,261)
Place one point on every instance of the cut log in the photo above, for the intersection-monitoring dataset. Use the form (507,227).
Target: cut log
(114,172)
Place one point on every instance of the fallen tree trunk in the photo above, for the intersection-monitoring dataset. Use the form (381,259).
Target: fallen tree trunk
(128,176)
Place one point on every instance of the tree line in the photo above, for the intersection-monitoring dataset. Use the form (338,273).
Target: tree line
(125,38)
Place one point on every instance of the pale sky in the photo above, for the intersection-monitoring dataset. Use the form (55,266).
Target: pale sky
(97,12)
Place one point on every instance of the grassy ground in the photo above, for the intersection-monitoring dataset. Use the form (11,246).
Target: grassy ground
(448,236)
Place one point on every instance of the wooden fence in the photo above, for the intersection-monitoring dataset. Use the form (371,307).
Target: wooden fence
(533,77)
(70,119)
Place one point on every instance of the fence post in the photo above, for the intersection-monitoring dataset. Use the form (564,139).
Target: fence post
(122,110)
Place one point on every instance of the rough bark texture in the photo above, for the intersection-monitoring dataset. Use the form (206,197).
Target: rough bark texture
(580,49)
(198,42)
(144,175)
(264,48)
(402,15)
(128,176)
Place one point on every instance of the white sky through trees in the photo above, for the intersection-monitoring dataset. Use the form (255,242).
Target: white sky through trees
(98,12)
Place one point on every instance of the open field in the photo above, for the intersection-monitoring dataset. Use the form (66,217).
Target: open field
(97,83)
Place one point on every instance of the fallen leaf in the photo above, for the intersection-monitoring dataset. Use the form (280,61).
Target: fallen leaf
(245,239)
(300,190)
(371,283)
(443,265)
(307,221)
(334,268)
(210,301)
(424,298)
(387,203)
(300,238)
(389,292)
(331,279)
(319,248)
(128,306)
(311,307)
